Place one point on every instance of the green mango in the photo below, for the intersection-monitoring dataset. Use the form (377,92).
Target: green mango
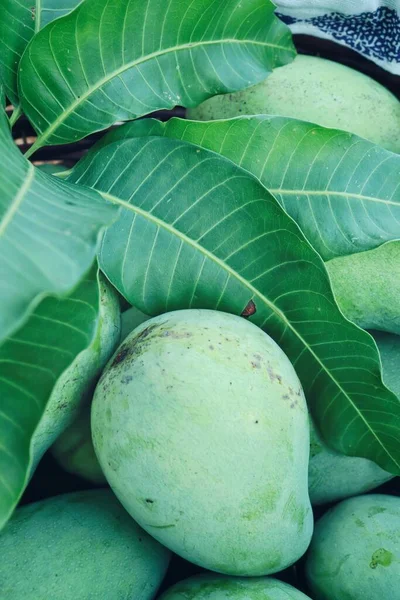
(317,90)
(81,546)
(214,587)
(200,425)
(74,451)
(333,476)
(74,388)
(355,551)
(367,287)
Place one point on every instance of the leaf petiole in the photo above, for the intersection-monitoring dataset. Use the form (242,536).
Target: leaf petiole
(17,112)
(63,174)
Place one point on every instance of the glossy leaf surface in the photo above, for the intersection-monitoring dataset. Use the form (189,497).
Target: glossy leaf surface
(49,233)
(31,361)
(112,60)
(198,231)
(19,20)
(342,190)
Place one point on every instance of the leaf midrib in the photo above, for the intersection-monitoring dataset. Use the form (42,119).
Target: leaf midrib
(38,15)
(17,201)
(306,192)
(254,292)
(64,115)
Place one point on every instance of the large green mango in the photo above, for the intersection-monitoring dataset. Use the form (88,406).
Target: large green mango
(367,287)
(214,587)
(75,386)
(317,90)
(355,551)
(81,546)
(201,428)
(333,476)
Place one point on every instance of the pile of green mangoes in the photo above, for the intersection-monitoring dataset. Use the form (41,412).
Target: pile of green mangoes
(195,427)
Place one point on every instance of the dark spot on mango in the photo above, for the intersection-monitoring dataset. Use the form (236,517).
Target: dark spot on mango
(176,335)
(122,354)
(376,510)
(359,523)
(133,345)
(272,375)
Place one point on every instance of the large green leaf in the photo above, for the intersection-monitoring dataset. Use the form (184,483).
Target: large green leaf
(198,231)
(19,20)
(113,60)
(49,233)
(342,190)
(31,361)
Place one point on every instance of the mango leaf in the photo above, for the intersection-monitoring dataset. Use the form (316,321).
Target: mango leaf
(17,27)
(54,9)
(197,231)
(342,190)
(49,233)
(389,350)
(31,361)
(112,60)
(19,21)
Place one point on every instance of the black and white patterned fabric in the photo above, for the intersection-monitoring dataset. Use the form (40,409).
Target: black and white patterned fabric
(371,27)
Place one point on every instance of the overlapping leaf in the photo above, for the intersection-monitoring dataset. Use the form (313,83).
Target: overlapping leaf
(31,361)
(389,349)
(54,9)
(343,191)
(198,231)
(113,60)
(17,26)
(19,20)
(48,233)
